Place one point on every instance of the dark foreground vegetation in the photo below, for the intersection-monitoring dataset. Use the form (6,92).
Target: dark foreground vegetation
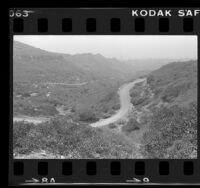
(172,133)
(130,126)
(170,101)
(69,140)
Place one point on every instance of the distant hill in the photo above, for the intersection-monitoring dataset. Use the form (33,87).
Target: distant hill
(34,64)
(21,49)
(151,64)
(175,82)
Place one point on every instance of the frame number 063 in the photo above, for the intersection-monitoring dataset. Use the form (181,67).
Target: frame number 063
(20,13)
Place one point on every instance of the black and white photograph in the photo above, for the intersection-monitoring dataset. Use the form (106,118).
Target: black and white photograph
(105,97)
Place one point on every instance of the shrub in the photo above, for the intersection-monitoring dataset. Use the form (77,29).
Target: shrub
(112,126)
(170,93)
(71,140)
(170,130)
(73,109)
(150,79)
(105,108)
(174,90)
(87,116)
(121,121)
(137,100)
(20,130)
(132,125)
(116,106)
(25,94)
(109,96)
(47,109)
(24,140)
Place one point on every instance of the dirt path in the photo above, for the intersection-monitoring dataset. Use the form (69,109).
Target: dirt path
(66,84)
(34,120)
(125,104)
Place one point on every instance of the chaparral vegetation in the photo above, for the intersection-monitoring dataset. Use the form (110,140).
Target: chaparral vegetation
(58,97)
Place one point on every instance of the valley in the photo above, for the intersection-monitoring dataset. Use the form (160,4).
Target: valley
(86,106)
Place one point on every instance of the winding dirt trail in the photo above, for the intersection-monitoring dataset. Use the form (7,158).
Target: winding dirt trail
(125,104)
(29,119)
(66,84)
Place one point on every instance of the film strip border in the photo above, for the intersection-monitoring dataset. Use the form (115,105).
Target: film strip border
(115,168)
(91,25)
(101,22)
(105,171)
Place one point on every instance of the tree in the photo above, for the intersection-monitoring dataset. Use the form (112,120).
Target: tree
(88,116)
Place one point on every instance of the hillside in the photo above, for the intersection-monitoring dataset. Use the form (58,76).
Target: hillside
(175,82)
(84,67)
(46,83)
(57,97)
(167,106)
(70,91)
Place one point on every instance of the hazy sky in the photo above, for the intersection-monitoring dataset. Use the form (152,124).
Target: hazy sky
(118,46)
